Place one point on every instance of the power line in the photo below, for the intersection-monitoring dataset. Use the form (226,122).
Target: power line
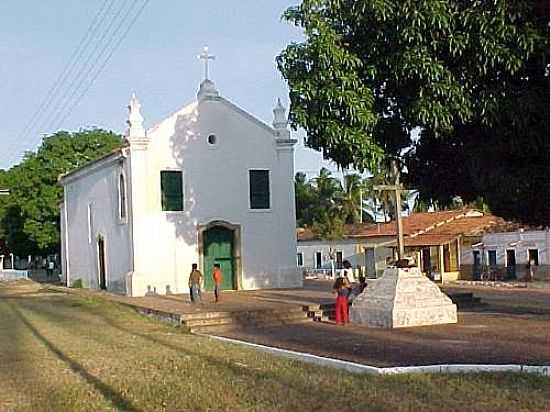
(64,108)
(67,70)
(89,64)
(106,61)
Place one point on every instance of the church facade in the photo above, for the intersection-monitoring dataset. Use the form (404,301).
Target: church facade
(209,184)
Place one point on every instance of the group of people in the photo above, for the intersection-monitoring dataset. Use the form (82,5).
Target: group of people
(195,283)
(345,293)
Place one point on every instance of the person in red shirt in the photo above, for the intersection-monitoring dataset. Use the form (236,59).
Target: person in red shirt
(341,289)
(217,277)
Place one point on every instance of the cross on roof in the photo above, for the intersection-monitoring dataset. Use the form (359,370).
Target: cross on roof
(206,57)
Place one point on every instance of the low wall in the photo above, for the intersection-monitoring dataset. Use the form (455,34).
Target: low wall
(541,272)
(10,274)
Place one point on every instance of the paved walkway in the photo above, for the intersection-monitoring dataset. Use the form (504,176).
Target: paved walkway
(231,301)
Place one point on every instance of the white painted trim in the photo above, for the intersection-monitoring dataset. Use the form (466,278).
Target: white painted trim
(361,368)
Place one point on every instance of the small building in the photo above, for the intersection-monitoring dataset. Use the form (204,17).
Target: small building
(209,184)
(435,239)
(507,249)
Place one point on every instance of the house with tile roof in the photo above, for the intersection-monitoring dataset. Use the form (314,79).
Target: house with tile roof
(439,241)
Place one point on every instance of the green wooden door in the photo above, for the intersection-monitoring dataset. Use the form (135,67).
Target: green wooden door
(218,248)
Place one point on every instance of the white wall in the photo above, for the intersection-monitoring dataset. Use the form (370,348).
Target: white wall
(352,250)
(98,188)
(521,242)
(216,187)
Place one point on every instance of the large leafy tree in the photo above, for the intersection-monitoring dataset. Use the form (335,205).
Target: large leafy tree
(30,214)
(472,76)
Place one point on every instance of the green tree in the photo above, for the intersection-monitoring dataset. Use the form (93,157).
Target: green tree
(352,200)
(30,214)
(472,76)
(305,200)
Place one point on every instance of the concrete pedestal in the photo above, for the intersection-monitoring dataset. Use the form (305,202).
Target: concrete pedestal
(402,298)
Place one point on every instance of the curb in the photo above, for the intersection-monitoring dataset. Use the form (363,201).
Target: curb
(398,370)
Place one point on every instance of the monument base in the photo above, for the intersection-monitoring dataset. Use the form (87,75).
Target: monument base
(402,297)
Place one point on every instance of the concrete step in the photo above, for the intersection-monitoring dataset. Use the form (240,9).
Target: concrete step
(218,328)
(251,318)
(248,319)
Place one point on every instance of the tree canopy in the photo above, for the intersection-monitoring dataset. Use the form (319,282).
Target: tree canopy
(325,203)
(471,77)
(29,216)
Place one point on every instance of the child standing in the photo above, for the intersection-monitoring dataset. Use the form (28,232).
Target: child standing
(195,278)
(341,288)
(217,277)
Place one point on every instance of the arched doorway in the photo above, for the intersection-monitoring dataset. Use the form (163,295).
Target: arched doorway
(219,247)
(101,263)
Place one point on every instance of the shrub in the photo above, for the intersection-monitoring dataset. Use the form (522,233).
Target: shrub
(77,284)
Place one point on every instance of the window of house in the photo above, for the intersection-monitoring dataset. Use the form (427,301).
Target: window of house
(339,260)
(492,257)
(122,197)
(534,256)
(318,260)
(300,259)
(259,189)
(171,188)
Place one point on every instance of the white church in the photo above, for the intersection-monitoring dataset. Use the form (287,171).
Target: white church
(209,184)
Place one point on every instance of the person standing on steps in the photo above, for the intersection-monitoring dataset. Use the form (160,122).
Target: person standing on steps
(217,277)
(195,278)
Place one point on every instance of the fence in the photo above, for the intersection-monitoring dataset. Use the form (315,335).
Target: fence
(10,274)
(326,273)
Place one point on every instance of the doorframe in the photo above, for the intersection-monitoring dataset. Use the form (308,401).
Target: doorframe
(237,265)
(102,238)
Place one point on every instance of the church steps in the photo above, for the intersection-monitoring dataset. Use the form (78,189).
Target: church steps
(233,327)
(221,321)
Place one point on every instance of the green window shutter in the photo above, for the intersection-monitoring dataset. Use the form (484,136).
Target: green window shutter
(259,189)
(171,188)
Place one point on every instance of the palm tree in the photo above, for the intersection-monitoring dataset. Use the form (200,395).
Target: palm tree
(351,200)
(383,201)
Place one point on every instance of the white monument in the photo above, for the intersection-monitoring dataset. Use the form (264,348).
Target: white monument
(402,297)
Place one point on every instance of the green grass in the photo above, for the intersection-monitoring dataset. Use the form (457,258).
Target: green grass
(66,353)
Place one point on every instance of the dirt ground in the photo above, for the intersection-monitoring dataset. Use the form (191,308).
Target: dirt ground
(513,326)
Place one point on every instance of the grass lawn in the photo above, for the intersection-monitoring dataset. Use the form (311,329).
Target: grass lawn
(66,353)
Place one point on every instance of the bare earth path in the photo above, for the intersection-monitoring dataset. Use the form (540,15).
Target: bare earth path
(62,352)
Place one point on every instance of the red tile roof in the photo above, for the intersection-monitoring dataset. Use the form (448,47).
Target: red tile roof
(420,229)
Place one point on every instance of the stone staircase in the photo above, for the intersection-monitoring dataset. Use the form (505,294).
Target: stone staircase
(212,322)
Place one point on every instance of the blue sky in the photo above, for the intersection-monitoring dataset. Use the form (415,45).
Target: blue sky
(157,60)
